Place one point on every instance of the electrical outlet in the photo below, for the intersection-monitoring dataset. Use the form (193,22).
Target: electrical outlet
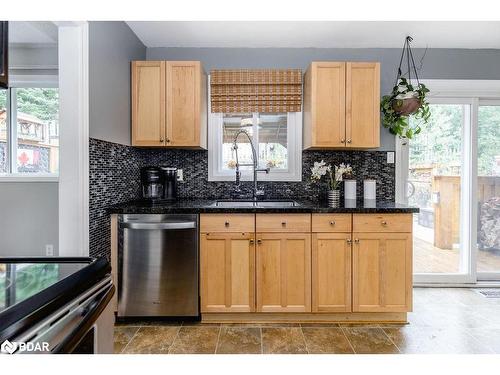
(49,250)
(180,175)
(390,157)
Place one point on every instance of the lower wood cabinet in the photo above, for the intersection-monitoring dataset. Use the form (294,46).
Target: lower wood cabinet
(331,272)
(283,265)
(382,272)
(311,266)
(227,272)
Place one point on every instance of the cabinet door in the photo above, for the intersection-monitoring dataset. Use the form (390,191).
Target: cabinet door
(363,104)
(283,263)
(148,103)
(227,272)
(382,272)
(331,272)
(324,105)
(184,106)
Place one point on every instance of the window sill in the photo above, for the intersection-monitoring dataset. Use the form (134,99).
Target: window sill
(28,178)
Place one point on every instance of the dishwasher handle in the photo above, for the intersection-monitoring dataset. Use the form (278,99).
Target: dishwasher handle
(162,226)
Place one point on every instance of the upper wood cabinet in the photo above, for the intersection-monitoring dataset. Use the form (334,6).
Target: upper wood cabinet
(169,104)
(283,265)
(148,103)
(362,122)
(341,105)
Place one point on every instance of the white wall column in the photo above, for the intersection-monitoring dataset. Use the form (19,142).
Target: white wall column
(73,138)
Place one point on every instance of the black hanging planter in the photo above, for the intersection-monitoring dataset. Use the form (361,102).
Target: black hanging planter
(406,99)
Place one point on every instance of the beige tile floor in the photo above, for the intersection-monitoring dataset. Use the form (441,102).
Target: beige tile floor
(444,321)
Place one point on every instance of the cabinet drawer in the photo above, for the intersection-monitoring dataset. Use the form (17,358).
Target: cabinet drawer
(283,223)
(227,223)
(331,223)
(382,222)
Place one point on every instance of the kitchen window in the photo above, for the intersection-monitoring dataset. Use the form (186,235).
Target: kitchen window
(29,132)
(276,137)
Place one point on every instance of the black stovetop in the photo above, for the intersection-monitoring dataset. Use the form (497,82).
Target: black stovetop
(34,287)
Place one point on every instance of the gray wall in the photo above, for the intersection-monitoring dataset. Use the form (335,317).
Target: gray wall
(112,45)
(438,63)
(28,218)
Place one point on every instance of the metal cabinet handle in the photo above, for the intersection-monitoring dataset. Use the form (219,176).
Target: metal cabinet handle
(342,140)
(168,140)
(349,140)
(349,241)
(332,222)
(252,241)
(383,222)
(161,140)
(283,223)
(356,240)
(226,224)
(259,241)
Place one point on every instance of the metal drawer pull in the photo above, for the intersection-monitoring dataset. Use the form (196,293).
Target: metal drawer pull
(384,222)
(356,240)
(342,140)
(349,241)
(259,241)
(332,222)
(164,226)
(251,241)
(349,140)
(226,224)
(161,140)
(283,223)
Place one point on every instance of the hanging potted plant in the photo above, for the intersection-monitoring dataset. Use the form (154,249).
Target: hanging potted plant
(408,98)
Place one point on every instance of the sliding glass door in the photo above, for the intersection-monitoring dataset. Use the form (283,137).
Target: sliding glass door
(435,181)
(451,171)
(488,190)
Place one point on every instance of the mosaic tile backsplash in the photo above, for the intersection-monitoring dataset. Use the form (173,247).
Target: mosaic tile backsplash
(115,178)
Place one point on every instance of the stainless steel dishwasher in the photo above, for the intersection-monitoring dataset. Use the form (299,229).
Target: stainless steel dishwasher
(158,266)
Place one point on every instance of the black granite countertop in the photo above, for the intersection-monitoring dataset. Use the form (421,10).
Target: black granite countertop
(208,206)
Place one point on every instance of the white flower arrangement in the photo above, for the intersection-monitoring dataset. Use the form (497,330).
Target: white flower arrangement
(335,174)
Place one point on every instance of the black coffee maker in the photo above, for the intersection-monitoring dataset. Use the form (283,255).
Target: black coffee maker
(169,183)
(152,183)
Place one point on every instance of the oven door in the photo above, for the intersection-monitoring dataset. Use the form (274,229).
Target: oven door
(84,325)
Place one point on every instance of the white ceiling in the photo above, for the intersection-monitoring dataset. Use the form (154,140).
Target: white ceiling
(327,34)
(32,32)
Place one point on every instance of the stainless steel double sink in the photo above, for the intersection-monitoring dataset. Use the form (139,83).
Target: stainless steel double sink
(250,203)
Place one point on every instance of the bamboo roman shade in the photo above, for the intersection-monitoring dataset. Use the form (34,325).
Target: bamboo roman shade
(256,90)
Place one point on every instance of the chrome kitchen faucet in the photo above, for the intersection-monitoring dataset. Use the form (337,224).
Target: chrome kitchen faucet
(256,191)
